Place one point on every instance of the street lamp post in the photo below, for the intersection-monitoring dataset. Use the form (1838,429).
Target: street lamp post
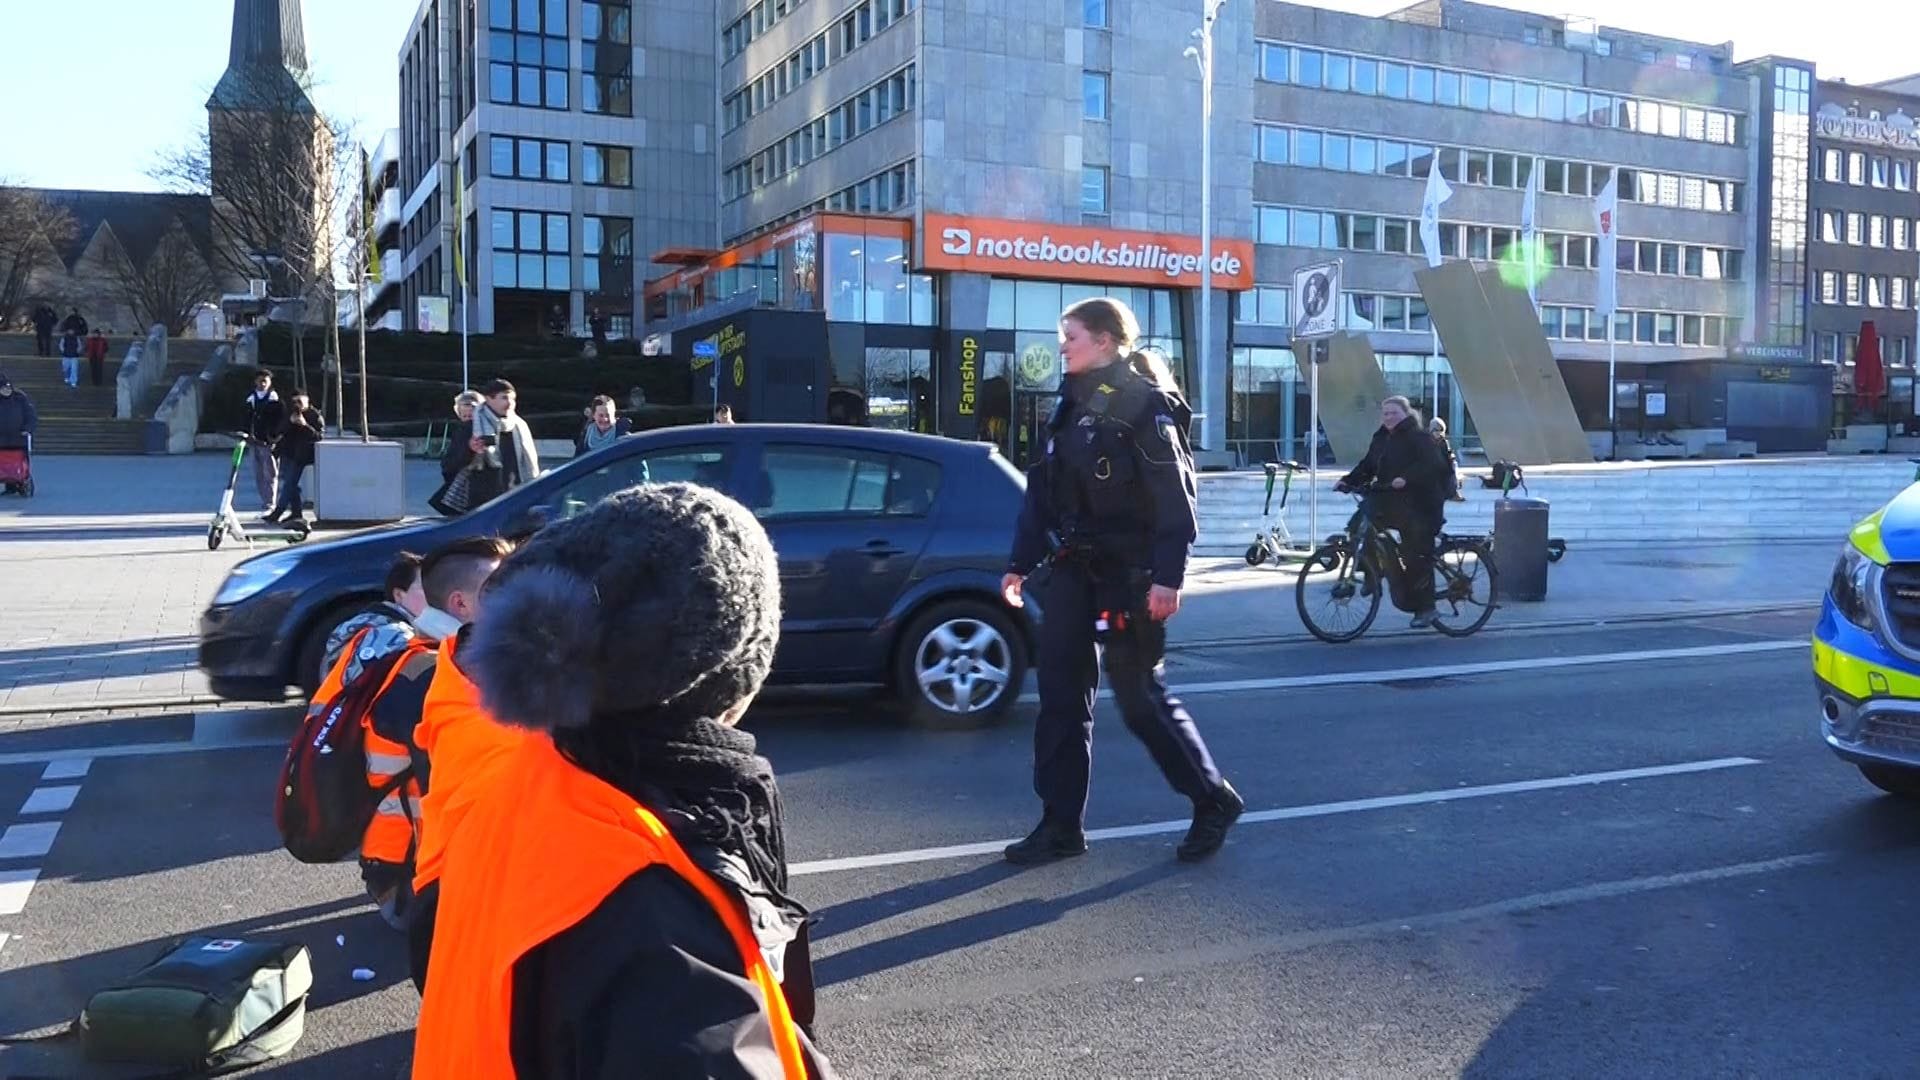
(1202,54)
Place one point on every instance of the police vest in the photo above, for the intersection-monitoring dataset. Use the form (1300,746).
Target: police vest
(1095,476)
(538,851)
(463,744)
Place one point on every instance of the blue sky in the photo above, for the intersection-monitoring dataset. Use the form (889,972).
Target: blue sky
(95,90)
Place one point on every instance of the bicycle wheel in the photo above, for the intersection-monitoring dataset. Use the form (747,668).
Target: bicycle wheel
(1466,587)
(1337,595)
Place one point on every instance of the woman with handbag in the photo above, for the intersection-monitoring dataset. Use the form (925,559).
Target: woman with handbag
(456,465)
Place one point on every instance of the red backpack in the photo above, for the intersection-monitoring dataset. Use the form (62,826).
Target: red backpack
(324,803)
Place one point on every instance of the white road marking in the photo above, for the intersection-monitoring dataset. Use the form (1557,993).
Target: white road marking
(50,800)
(15,887)
(67,768)
(28,841)
(1486,667)
(1289,813)
(134,750)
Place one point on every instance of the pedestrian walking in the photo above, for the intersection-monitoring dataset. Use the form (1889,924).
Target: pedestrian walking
(72,348)
(45,319)
(75,324)
(614,901)
(1110,509)
(97,356)
(1449,464)
(604,427)
(302,430)
(265,417)
(1401,474)
(597,325)
(502,444)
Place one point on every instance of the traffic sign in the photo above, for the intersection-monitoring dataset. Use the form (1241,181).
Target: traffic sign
(1316,301)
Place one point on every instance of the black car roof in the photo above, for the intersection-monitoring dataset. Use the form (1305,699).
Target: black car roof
(904,442)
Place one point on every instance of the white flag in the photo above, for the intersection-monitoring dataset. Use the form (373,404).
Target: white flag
(1528,231)
(1606,219)
(1437,193)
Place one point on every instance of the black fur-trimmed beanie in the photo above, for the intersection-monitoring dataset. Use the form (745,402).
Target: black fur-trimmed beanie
(662,601)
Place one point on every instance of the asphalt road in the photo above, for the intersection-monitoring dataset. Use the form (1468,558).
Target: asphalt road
(1617,853)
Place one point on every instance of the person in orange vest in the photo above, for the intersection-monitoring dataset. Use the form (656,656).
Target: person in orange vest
(449,581)
(614,900)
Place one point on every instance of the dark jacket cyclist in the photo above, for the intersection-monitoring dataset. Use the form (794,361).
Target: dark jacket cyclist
(1404,472)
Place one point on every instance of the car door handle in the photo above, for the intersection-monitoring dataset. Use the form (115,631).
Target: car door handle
(881,549)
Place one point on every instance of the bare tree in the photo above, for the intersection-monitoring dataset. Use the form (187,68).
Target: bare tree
(279,171)
(32,232)
(170,285)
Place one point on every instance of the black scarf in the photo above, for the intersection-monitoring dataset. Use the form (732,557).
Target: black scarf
(702,777)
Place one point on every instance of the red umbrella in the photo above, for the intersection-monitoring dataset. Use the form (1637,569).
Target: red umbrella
(1869,375)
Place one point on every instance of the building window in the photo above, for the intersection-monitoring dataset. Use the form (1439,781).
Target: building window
(528,66)
(1095,14)
(1856,168)
(1829,348)
(1903,175)
(1093,190)
(1901,233)
(1877,231)
(1877,291)
(1830,166)
(528,159)
(606,78)
(1266,305)
(531,250)
(606,166)
(1829,287)
(1094,87)
(1854,290)
(1830,226)
(1880,176)
(1900,292)
(877,104)
(1856,229)
(606,269)
(610,21)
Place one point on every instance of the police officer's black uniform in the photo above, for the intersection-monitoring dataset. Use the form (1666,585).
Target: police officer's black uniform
(1110,509)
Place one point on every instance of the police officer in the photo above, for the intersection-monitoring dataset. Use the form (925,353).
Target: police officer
(1110,510)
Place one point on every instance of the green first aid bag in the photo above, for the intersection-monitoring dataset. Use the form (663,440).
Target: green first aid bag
(207,1006)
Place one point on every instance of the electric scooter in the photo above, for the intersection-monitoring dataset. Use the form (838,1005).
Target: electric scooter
(1276,543)
(227,525)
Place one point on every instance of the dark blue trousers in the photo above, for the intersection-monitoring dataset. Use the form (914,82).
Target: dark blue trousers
(1069,675)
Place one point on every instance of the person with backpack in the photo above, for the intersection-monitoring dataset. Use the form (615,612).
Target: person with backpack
(613,901)
(375,696)
(1449,487)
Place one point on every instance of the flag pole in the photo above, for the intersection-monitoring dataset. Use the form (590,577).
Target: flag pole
(1613,396)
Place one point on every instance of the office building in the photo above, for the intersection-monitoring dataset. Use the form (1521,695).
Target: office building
(568,171)
(384,286)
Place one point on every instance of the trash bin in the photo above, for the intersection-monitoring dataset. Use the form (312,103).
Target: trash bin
(1520,548)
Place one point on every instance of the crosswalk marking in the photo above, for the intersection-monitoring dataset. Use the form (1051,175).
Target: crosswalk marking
(50,800)
(67,769)
(28,841)
(15,887)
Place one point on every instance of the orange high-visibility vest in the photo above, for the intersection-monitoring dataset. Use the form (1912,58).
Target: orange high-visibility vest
(539,850)
(390,836)
(463,744)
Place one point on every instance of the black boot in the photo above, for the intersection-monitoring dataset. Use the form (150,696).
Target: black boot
(1211,820)
(1047,843)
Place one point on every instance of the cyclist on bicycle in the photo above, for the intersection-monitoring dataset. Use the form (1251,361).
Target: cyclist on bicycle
(1402,476)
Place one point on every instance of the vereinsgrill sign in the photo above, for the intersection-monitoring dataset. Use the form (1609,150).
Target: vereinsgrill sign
(1078,253)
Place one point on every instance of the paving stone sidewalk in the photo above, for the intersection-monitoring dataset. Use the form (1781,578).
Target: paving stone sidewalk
(104,574)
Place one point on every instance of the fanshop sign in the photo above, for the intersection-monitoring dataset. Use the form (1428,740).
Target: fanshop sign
(1078,253)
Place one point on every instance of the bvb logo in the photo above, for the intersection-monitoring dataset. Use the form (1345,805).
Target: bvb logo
(739,371)
(1036,365)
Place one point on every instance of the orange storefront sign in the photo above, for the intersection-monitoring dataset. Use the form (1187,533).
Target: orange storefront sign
(1078,253)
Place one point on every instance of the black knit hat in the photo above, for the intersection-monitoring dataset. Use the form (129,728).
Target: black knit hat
(663,601)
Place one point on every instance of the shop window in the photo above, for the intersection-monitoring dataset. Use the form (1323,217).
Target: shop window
(888,300)
(1037,306)
(846,277)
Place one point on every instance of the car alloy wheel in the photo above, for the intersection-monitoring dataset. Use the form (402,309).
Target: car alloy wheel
(963,666)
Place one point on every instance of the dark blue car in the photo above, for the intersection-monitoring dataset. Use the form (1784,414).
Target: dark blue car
(891,550)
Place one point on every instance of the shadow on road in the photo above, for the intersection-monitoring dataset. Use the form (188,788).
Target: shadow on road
(854,914)
(969,930)
(17,533)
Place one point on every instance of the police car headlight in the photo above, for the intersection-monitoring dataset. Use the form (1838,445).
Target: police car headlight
(250,577)
(1856,582)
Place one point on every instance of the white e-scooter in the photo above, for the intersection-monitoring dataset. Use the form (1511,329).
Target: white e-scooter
(226,523)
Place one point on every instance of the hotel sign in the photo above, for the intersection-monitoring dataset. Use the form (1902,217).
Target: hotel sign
(1898,130)
(1079,253)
